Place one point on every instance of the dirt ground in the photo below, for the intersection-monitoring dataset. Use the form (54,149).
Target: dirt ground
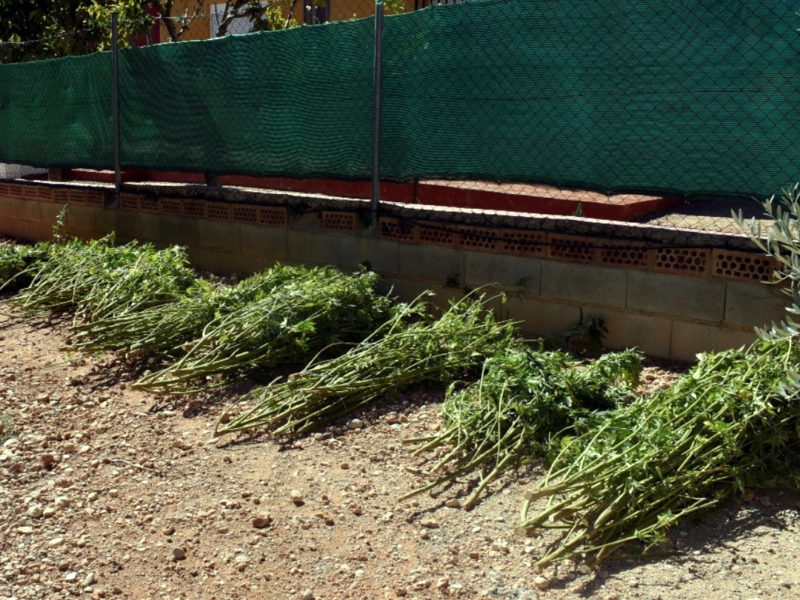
(107,493)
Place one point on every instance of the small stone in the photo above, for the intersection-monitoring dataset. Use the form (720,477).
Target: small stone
(474,555)
(262,522)
(71,576)
(25,530)
(88,580)
(178,553)
(49,511)
(61,502)
(181,445)
(355,423)
(296,497)
(307,595)
(541,582)
(453,503)
(501,546)
(421,584)
(344,466)
(35,511)
(429,524)
(192,408)
(442,584)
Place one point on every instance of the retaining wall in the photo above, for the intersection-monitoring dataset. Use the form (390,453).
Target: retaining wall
(672,293)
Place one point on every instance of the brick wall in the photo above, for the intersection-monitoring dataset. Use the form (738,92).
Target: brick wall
(671,293)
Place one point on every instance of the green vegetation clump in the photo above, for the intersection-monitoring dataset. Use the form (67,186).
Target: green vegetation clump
(16,261)
(524,398)
(313,310)
(728,425)
(97,279)
(167,329)
(414,346)
(6,427)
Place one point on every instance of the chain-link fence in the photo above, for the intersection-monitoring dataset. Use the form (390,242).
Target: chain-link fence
(667,112)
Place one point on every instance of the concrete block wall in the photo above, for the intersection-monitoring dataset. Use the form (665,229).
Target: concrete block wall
(671,301)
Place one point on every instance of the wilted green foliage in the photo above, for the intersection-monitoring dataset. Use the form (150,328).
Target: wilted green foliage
(524,398)
(16,263)
(97,279)
(164,329)
(729,424)
(412,347)
(311,310)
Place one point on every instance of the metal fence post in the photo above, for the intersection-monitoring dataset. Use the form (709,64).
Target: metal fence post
(115,107)
(376,123)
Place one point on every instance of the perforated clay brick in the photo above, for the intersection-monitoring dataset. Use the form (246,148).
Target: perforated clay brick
(61,196)
(77,197)
(220,212)
(741,265)
(129,201)
(572,248)
(439,236)
(15,190)
(624,256)
(480,238)
(524,243)
(44,193)
(95,198)
(339,221)
(171,206)
(148,204)
(395,229)
(682,260)
(273,216)
(192,207)
(245,213)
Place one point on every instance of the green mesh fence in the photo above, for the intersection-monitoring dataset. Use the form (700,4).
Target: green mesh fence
(689,97)
(295,102)
(57,112)
(696,96)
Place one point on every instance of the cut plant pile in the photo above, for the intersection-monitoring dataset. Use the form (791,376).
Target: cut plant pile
(313,309)
(413,347)
(165,330)
(731,424)
(525,397)
(97,279)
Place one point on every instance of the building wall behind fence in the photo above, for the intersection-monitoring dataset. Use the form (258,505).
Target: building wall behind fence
(681,97)
(671,293)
